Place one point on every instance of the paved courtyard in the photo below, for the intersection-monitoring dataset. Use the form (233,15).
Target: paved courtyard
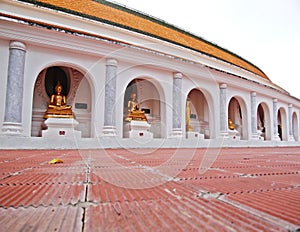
(230,189)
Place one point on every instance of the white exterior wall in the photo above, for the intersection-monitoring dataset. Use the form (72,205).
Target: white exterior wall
(4,44)
(155,62)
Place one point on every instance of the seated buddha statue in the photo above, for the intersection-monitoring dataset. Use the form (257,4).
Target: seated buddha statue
(188,115)
(230,124)
(134,112)
(58,107)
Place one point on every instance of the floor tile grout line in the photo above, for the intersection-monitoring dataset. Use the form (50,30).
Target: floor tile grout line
(262,215)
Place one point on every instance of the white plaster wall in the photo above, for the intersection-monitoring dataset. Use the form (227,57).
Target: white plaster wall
(83,116)
(4,51)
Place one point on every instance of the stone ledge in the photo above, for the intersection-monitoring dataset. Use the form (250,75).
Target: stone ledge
(14,142)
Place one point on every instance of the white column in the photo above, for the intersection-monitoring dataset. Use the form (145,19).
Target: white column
(12,124)
(254,134)
(299,126)
(290,121)
(109,128)
(275,120)
(177,105)
(223,111)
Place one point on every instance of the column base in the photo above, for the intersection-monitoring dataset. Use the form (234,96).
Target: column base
(257,136)
(224,135)
(291,138)
(276,138)
(176,133)
(109,131)
(12,128)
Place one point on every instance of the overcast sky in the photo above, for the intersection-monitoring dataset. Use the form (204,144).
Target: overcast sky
(264,32)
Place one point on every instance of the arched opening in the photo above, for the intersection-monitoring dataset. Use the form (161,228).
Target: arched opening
(75,87)
(295,127)
(263,121)
(282,125)
(237,115)
(54,75)
(197,113)
(149,99)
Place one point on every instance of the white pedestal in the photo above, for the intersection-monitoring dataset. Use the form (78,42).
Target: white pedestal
(140,129)
(234,134)
(61,127)
(194,135)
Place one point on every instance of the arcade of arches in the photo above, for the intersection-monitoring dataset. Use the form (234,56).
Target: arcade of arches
(199,109)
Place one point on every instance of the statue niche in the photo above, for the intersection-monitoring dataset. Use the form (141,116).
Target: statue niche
(58,107)
(232,132)
(188,115)
(134,112)
(230,124)
(136,120)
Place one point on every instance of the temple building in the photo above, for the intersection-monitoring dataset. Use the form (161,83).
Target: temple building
(97,74)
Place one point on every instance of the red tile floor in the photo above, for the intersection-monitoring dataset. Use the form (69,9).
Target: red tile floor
(230,189)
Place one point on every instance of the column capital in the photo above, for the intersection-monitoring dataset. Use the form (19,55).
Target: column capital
(17,45)
(290,105)
(177,75)
(223,86)
(253,94)
(275,100)
(111,62)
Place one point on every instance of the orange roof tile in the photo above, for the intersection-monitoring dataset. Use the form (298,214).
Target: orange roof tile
(123,17)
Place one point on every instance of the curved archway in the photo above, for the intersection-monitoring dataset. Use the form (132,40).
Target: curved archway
(77,90)
(282,124)
(54,75)
(150,99)
(295,126)
(198,114)
(264,121)
(237,114)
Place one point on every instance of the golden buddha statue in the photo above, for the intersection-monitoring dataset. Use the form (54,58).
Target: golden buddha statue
(230,124)
(58,107)
(133,110)
(188,115)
